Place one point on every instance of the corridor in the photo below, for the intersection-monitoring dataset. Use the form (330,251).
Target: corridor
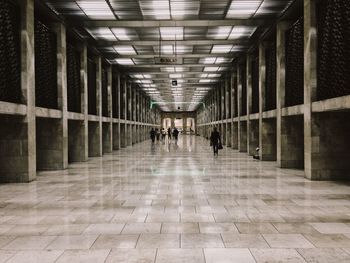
(174,203)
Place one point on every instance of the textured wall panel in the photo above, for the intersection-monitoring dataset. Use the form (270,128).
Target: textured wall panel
(270,87)
(73,79)
(333,69)
(45,66)
(92,93)
(295,64)
(10,60)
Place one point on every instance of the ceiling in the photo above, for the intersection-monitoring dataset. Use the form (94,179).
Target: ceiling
(201,38)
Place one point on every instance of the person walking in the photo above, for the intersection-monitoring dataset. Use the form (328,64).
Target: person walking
(169,134)
(163,134)
(215,141)
(152,135)
(175,134)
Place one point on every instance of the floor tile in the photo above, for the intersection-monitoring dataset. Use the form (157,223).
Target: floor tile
(287,241)
(256,228)
(217,228)
(115,241)
(83,256)
(180,228)
(295,228)
(331,228)
(325,255)
(138,228)
(227,255)
(73,242)
(277,256)
(201,241)
(35,256)
(180,256)
(159,241)
(123,255)
(30,242)
(98,229)
(244,241)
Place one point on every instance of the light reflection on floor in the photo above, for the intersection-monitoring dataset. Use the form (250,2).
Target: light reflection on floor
(175,203)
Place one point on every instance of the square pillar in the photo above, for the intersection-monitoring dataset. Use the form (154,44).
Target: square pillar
(52,134)
(78,138)
(311,142)
(107,127)
(95,127)
(18,134)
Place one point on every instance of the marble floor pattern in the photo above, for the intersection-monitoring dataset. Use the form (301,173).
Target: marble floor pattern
(174,203)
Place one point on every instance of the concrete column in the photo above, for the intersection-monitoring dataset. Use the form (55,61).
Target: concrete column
(116,126)
(52,134)
(310,85)
(262,81)
(249,103)
(290,133)
(108,127)
(17,135)
(267,127)
(242,124)
(84,150)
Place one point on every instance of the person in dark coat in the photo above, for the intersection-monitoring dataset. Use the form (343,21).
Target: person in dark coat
(215,141)
(176,134)
(153,135)
(169,134)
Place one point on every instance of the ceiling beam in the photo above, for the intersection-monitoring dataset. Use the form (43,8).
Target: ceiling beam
(169,79)
(172,23)
(197,65)
(142,71)
(146,56)
(201,42)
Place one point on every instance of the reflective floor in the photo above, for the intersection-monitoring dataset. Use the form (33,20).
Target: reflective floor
(175,203)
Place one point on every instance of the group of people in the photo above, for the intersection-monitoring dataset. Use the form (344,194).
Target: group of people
(161,134)
(215,139)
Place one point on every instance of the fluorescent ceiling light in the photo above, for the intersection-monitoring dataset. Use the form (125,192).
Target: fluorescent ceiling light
(210,60)
(243,8)
(172,33)
(125,50)
(204,81)
(221,49)
(179,69)
(206,69)
(101,33)
(220,60)
(182,8)
(212,75)
(221,32)
(167,49)
(159,9)
(204,76)
(242,31)
(121,33)
(96,9)
(125,61)
(147,76)
(146,81)
(175,76)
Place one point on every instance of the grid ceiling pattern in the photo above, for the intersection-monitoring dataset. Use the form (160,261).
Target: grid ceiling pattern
(202,36)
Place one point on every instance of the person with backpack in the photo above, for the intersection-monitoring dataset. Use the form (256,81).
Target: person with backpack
(215,141)
(152,135)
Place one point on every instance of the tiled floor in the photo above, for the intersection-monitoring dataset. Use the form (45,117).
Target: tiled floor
(168,203)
